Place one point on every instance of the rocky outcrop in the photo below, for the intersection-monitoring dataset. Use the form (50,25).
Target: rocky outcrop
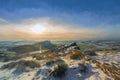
(90,53)
(67,48)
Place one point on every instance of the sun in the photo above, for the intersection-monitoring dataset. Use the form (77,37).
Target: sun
(38,29)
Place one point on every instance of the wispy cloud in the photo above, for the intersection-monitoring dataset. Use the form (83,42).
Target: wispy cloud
(3,21)
(54,30)
(79,18)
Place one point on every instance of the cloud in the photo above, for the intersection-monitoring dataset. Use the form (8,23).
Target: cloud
(87,19)
(82,19)
(3,21)
(54,30)
(83,13)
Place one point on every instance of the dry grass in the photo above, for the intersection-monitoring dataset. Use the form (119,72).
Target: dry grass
(77,54)
(47,55)
(24,63)
(60,70)
(110,70)
(56,61)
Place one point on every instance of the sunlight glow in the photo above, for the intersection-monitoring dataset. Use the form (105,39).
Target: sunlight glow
(38,29)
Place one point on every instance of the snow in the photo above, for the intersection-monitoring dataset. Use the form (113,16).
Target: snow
(73,72)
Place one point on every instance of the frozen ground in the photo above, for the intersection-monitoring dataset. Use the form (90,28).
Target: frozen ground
(73,73)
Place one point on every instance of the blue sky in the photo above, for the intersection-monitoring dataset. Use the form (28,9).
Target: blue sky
(89,14)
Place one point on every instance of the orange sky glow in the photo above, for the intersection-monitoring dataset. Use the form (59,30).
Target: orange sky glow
(37,29)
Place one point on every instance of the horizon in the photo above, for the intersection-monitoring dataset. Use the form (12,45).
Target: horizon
(59,20)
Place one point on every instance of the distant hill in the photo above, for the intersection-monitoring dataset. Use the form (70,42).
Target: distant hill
(45,45)
(35,47)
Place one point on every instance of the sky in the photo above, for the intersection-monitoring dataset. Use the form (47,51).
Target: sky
(59,19)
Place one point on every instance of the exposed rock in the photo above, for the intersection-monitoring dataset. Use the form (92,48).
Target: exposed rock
(83,68)
(90,53)
(67,49)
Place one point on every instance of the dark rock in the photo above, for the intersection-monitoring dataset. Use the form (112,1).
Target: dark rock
(90,53)
(83,68)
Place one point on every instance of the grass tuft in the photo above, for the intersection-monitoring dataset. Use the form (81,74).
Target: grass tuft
(60,70)
(77,54)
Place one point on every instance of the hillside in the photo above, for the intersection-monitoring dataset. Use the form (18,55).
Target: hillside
(34,47)
(65,62)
